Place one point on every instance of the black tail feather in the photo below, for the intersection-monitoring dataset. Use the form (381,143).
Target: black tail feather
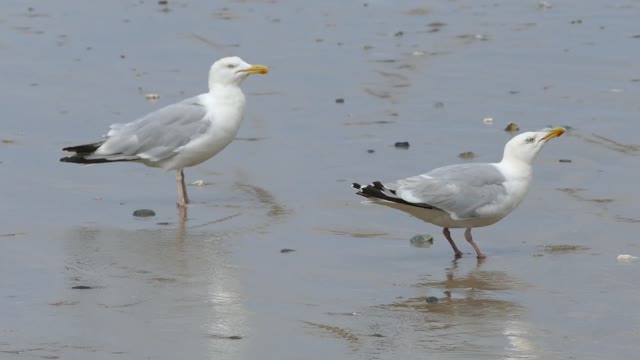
(376,190)
(84,149)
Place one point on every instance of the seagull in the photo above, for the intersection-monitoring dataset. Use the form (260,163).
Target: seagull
(466,195)
(180,135)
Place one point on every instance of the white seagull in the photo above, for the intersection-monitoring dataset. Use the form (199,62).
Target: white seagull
(180,135)
(466,195)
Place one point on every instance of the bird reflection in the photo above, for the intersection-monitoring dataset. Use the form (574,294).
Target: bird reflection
(172,286)
(469,311)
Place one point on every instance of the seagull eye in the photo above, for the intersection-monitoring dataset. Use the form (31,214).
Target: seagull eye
(529,140)
(231,66)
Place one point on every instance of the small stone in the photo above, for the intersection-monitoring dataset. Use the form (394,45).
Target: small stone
(144,213)
(164,223)
(401,145)
(438,105)
(367,47)
(512,127)
(398,34)
(467,155)
(339,101)
(163,2)
(284,251)
(81,287)
(564,160)
(371,151)
(234,337)
(432,300)
(198,183)
(487,120)
(419,53)
(421,239)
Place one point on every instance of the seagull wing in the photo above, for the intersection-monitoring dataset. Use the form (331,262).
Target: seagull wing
(460,190)
(158,135)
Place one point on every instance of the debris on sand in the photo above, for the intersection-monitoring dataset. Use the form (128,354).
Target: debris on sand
(284,251)
(543,5)
(431,300)
(564,160)
(339,101)
(152,97)
(199,183)
(82,287)
(626,257)
(401,145)
(487,121)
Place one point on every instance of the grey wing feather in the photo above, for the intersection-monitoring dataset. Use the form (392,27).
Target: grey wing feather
(459,190)
(158,135)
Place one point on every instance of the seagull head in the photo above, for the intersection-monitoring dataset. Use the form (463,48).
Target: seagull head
(526,146)
(232,71)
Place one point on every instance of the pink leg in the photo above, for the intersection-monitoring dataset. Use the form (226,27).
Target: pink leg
(447,234)
(183,198)
(467,235)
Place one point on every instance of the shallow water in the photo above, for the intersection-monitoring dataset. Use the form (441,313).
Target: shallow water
(215,284)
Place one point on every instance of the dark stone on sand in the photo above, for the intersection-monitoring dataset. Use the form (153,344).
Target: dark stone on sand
(432,300)
(234,337)
(438,105)
(401,145)
(377,335)
(284,251)
(467,155)
(371,151)
(512,127)
(339,101)
(564,160)
(81,287)
(144,213)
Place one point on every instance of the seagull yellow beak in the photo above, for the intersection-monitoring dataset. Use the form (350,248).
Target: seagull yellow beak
(553,133)
(256,69)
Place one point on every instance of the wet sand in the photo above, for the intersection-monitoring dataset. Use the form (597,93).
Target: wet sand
(82,278)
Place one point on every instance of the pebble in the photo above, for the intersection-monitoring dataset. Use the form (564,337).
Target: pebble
(284,251)
(144,213)
(487,120)
(564,160)
(512,127)
(438,105)
(421,239)
(402,144)
(339,101)
(467,155)
(82,287)
(371,151)
(432,300)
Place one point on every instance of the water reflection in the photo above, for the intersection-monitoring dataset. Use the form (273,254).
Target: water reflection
(172,289)
(473,316)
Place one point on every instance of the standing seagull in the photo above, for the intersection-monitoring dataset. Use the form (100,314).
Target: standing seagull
(180,135)
(466,195)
